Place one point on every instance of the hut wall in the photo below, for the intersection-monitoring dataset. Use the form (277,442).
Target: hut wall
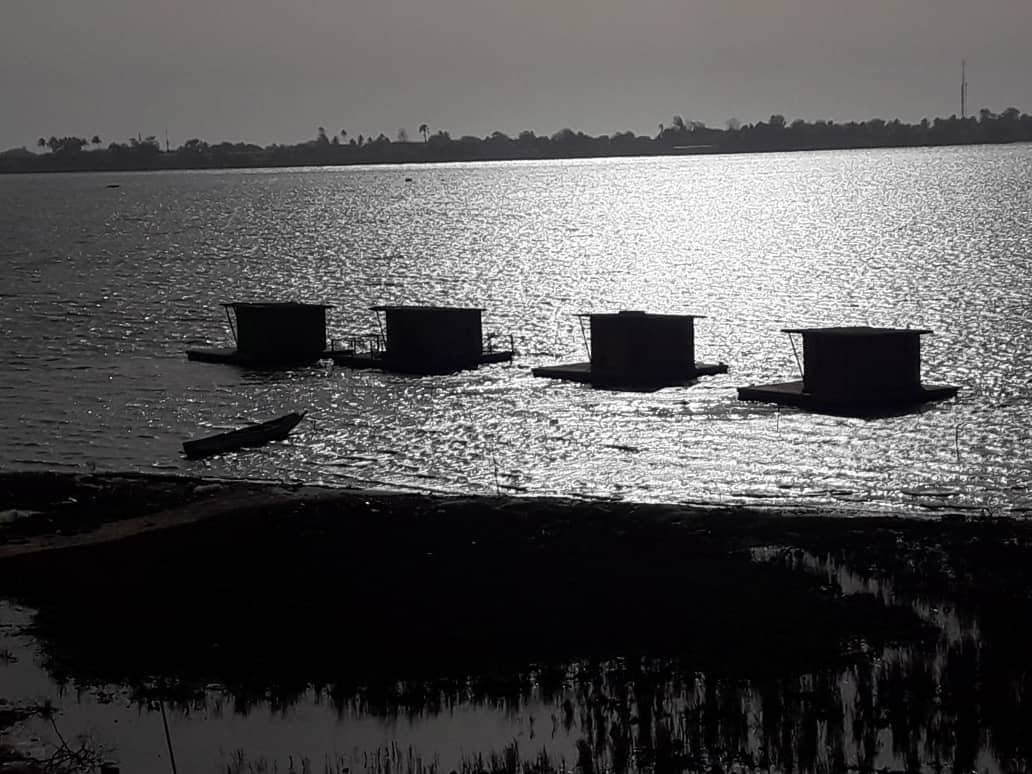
(857,367)
(281,331)
(642,345)
(434,336)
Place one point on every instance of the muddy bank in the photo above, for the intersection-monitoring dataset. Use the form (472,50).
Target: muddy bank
(223,580)
(298,583)
(169,585)
(46,511)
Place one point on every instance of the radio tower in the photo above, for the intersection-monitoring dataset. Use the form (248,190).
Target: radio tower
(963,88)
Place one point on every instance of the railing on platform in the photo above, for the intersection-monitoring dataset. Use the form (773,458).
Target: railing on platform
(372,344)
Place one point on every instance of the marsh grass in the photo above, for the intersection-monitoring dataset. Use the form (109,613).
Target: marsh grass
(81,754)
(396,759)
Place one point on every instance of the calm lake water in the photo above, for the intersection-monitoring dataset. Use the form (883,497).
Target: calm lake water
(103,288)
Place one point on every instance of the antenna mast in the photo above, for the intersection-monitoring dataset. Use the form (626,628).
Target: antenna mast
(963,88)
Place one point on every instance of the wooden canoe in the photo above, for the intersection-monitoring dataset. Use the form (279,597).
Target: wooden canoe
(252,435)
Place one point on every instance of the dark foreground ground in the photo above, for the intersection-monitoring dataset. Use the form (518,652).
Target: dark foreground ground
(170,584)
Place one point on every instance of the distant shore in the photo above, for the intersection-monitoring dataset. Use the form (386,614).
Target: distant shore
(77,154)
(230,164)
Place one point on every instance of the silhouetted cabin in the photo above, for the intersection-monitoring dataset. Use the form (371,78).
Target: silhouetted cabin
(637,350)
(426,340)
(850,363)
(272,334)
(854,370)
(429,334)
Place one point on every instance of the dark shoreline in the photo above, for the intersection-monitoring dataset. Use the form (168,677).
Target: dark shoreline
(435,558)
(417,161)
(271,590)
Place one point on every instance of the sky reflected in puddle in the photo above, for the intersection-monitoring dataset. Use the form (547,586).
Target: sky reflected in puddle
(950,697)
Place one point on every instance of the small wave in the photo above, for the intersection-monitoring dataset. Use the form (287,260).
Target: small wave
(47,463)
(931,491)
(759,494)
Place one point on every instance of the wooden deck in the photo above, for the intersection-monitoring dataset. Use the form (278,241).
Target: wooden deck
(792,394)
(228,356)
(350,359)
(583,373)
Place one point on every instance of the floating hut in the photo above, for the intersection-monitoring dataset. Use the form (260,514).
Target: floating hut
(635,350)
(854,371)
(271,335)
(422,340)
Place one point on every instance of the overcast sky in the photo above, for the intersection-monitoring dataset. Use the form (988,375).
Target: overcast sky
(273,70)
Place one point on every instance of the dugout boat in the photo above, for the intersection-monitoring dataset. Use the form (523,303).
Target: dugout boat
(246,437)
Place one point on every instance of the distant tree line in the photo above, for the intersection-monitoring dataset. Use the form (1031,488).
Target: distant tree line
(679,137)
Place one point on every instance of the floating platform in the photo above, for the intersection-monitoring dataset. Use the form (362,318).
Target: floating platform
(638,351)
(793,394)
(228,356)
(855,371)
(423,341)
(270,334)
(585,374)
(381,362)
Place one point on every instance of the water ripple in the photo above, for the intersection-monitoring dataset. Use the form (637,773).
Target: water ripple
(102,294)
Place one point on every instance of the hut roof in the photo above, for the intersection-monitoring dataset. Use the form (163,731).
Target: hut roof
(417,307)
(857,331)
(624,313)
(275,305)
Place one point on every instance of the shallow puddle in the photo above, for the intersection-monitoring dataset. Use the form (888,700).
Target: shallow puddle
(952,699)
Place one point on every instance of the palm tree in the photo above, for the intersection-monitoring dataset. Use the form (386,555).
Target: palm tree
(425,131)
(343,134)
(42,142)
(95,140)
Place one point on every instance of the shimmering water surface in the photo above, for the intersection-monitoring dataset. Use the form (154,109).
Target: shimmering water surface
(103,288)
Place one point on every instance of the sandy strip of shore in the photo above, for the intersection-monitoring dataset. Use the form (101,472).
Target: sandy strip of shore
(53,511)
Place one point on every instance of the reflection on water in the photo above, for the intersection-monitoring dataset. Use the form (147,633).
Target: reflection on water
(955,698)
(104,289)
